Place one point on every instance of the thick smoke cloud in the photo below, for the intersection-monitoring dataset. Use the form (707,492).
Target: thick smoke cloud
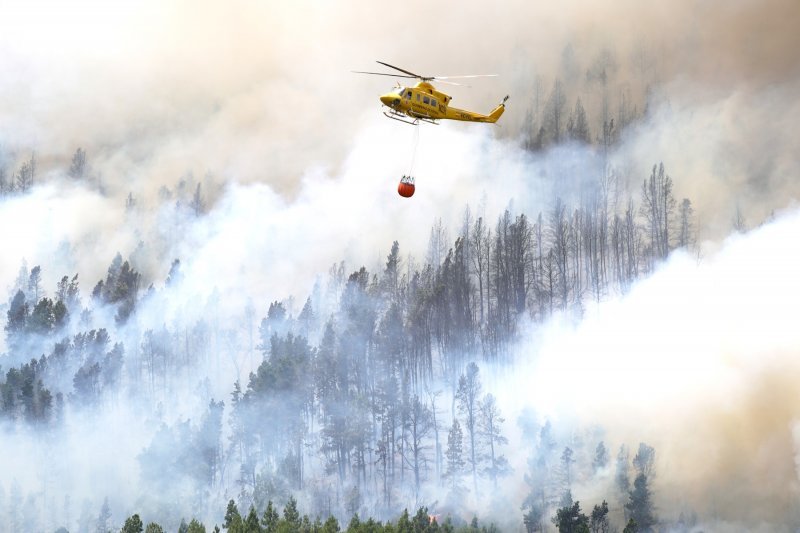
(255,102)
(261,91)
(698,360)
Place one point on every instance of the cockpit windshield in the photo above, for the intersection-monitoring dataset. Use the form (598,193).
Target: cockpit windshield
(398,90)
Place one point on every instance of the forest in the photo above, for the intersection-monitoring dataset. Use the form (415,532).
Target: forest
(383,396)
(368,399)
(371,397)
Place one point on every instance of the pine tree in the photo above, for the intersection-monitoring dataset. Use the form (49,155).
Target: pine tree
(43,318)
(685,224)
(489,430)
(554,111)
(133,524)
(455,457)
(198,204)
(331,525)
(251,521)
(631,527)
(25,175)
(391,273)
(600,460)
(644,460)
(35,283)
(355,523)
(578,124)
(77,168)
(195,527)
(533,519)
(640,505)
(291,515)
(233,520)
(270,518)
(570,519)
(467,395)
(566,499)
(566,466)
(306,318)
(658,207)
(598,522)
(621,478)
(421,520)
(103,518)
(5,186)
(418,425)
(404,522)
(17,320)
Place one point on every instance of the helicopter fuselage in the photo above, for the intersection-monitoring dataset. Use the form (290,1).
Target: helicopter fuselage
(424,102)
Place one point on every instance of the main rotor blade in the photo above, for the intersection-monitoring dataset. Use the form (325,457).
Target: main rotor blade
(401,70)
(451,82)
(382,74)
(469,76)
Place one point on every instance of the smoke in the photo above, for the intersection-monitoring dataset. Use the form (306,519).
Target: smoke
(698,361)
(255,102)
(262,91)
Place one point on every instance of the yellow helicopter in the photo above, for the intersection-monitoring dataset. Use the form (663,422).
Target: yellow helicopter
(424,103)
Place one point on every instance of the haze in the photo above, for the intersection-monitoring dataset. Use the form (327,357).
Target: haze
(251,107)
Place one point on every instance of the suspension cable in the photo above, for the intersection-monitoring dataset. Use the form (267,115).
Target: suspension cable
(414,143)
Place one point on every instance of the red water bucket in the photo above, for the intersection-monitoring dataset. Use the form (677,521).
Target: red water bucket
(406,187)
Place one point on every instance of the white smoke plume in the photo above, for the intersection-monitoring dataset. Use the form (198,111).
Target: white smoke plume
(698,361)
(255,102)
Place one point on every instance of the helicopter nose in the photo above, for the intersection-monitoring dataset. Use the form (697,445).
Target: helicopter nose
(390,100)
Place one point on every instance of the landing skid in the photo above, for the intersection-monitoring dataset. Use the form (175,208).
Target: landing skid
(402,117)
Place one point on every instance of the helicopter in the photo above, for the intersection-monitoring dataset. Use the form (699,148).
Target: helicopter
(425,103)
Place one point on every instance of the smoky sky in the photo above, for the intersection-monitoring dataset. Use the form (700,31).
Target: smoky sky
(256,102)
(261,91)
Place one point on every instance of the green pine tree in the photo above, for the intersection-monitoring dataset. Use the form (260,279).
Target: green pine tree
(570,519)
(630,527)
(270,519)
(290,514)
(598,522)
(133,524)
(331,525)
(233,520)
(251,524)
(640,504)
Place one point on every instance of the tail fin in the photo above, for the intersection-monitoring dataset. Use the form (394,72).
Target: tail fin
(497,111)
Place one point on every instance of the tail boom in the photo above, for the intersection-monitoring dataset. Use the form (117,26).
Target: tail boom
(469,116)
